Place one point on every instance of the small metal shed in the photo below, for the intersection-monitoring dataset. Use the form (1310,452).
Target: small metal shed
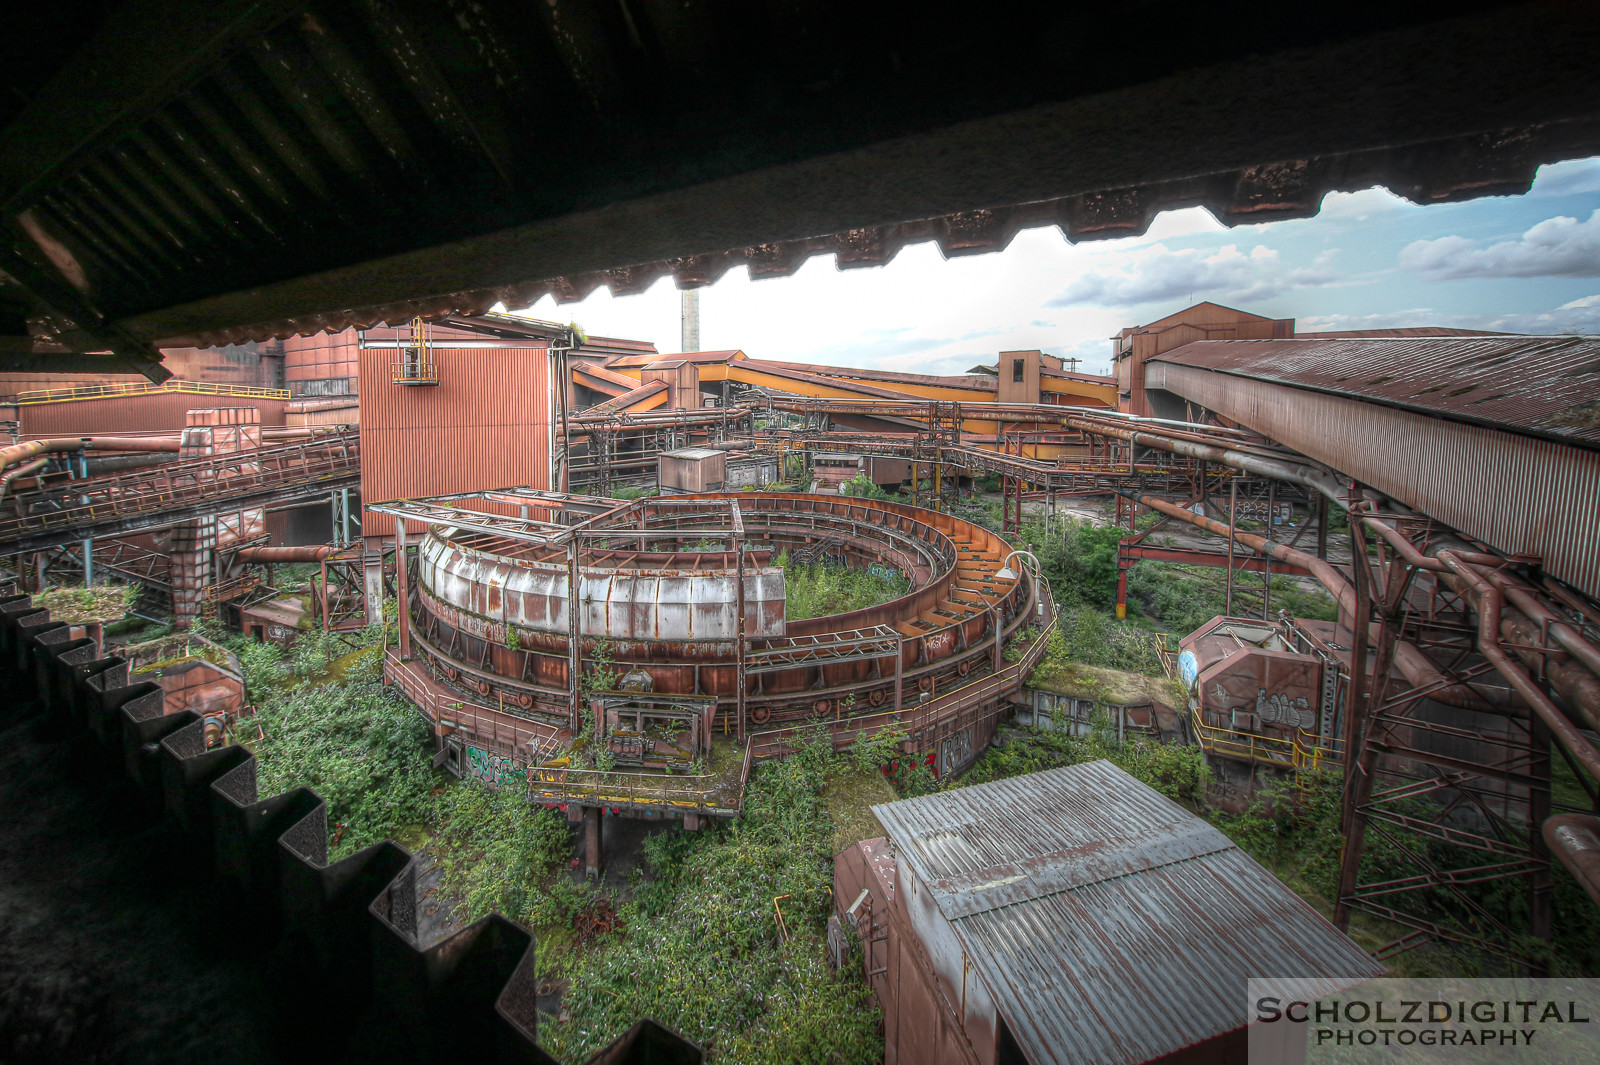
(691,469)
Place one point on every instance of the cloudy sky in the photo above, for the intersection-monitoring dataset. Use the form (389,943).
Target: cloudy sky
(1520,264)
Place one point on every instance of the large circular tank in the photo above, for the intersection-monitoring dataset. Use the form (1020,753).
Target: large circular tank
(490,614)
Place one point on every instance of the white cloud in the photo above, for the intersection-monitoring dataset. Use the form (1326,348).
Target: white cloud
(1159,274)
(1326,323)
(1556,247)
(1573,177)
(1362,206)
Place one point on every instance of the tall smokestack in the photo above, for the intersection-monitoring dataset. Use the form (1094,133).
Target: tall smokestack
(690,320)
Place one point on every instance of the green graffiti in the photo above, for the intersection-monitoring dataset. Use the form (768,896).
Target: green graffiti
(491,768)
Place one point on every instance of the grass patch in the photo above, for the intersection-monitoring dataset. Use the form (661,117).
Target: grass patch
(851,794)
(823,588)
(703,949)
(78,606)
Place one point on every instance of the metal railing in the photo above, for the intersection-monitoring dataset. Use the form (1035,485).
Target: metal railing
(175,486)
(597,787)
(73,393)
(1299,753)
(942,713)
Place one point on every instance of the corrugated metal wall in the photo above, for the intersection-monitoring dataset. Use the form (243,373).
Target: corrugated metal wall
(155,412)
(1519,494)
(486,424)
(319,357)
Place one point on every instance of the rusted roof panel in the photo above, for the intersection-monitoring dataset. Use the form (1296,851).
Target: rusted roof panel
(1081,896)
(1543,385)
(636,361)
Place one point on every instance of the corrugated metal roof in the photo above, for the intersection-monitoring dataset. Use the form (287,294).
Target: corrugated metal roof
(206,173)
(636,361)
(1400,331)
(1083,898)
(1545,385)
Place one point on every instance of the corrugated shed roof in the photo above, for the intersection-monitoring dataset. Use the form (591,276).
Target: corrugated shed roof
(1545,385)
(1083,896)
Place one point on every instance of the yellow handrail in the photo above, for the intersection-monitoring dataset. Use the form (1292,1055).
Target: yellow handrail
(1297,753)
(74,393)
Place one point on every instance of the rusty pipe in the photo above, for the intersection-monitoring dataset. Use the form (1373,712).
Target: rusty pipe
(20,452)
(1293,472)
(1489,604)
(133,443)
(1570,678)
(21,471)
(1571,640)
(1408,658)
(1525,625)
(1414,557)
(306,553)
(1331,578)
(1575,840)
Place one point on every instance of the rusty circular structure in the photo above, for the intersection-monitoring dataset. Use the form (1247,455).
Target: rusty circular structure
(663,586)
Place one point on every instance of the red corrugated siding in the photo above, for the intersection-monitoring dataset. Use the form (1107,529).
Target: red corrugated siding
(156,412)
(485,425)
(320,356)
(1519,494)
(1537,384)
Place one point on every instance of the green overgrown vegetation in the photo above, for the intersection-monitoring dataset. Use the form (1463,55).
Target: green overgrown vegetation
(1186,597)
(862,487)
(1175,770)
(818,589)
(1292,827)
(77,606)
(724,938)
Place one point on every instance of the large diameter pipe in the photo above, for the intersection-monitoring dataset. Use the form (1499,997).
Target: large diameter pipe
(1261,465)
(1489,606)
(1571,640)
(1575,840)
(133,443)
(1330,578)
(1578,682)
(20,471)
(1415,666)
(307,553)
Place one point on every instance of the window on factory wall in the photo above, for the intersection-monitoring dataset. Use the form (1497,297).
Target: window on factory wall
(1016,370)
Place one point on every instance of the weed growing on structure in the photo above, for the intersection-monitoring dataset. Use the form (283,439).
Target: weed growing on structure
(704,950)
(1078,558)
(862,487)
(356,742)
(1089,637)
(821,589)
(499,850)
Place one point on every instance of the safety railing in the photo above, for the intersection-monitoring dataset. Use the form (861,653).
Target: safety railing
(172,486)
(938,713)
(712,792)
(73,393)
(1298,753)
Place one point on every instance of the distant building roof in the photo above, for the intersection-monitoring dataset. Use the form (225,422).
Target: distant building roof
(1400,331)
(684,356)
(695,454)
(1092,906)
(1545,385)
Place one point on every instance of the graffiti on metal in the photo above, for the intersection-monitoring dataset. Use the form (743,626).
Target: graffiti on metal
(491,768)
(1279,709)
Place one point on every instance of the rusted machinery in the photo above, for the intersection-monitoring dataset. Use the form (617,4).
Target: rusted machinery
(681,598)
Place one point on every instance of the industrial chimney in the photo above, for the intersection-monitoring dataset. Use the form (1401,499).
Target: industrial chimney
(689,338)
